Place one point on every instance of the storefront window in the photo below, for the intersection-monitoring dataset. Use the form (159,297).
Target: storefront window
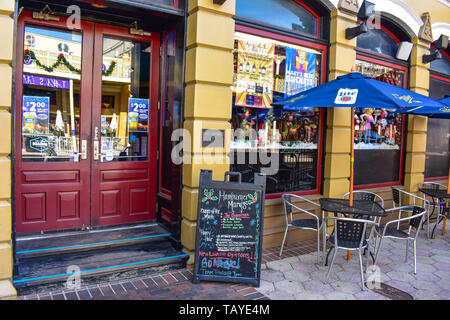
(51,91)
(378,41)
(265,71)
(438,130)
(378,133)
(125,115)
(287,14)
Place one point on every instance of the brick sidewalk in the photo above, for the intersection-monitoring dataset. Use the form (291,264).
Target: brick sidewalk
(175,285)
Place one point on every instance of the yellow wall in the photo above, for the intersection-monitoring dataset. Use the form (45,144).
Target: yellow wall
(209,76)
(439,11)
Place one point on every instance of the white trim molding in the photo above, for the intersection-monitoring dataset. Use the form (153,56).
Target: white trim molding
(398,9)
(440,28)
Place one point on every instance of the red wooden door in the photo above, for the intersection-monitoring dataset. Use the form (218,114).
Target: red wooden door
(61,182)
(124,170)
(52,189)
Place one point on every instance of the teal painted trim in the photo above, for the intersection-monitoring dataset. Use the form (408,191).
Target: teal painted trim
(96,243)
(100,269)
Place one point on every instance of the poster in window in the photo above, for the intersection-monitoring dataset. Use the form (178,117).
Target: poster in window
(35,114)
(138,114)
(254,78)
(300,71)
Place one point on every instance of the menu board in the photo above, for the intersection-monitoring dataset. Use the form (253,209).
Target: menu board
(254,76)
(229,230)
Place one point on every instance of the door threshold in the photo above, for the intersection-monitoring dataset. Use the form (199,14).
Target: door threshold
(62,233)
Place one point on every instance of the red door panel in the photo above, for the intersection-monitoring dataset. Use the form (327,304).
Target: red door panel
(56,195)
(124,191)
(52,195)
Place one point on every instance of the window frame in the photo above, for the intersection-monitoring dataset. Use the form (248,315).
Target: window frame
(362,56)
(323,78)
(274,27)
(440,77)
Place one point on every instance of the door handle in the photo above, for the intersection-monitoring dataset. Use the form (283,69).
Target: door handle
(96,145)
(83,152)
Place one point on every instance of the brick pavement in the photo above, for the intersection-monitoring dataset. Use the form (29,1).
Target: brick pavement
(176,285)
(299,277)
(293,276)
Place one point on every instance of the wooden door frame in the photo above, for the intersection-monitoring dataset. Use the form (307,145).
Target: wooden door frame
(87,29)
(154,39)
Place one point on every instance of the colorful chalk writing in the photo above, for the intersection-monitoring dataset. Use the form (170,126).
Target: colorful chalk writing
(228,232)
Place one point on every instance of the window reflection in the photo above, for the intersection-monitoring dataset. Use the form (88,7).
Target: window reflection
(50,101)
(267,70)
(125,100)
(281,13)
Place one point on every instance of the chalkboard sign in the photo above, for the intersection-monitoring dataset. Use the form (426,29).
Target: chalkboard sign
(229,229)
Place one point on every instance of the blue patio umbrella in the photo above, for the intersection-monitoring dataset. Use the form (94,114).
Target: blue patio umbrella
(435,113)
(357,90)
(442,112)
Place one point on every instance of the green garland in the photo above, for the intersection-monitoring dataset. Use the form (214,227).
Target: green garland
(62,60)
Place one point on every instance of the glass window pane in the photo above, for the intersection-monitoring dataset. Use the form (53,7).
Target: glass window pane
(125,100)
(438,134)
(379,41)
(280,13)
(267,70)
(167,2)
(51,95)
(441,65)
(378,133)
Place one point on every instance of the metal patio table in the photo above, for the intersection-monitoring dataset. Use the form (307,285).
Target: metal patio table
(442,198)
(361,209)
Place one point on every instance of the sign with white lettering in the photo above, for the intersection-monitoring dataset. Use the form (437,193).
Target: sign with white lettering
(229,229)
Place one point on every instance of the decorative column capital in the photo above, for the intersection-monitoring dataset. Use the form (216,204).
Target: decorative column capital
(425,31)
(349,6)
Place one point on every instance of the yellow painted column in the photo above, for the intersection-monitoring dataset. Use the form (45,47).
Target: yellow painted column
(6,55)
(342,58)
(208,99)
(417,125)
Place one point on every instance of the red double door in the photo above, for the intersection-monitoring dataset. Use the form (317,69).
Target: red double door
(85,125)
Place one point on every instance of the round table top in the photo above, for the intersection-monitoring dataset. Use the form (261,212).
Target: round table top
(359,208)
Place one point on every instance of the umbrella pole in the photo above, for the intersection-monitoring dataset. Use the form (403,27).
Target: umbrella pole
(352,160)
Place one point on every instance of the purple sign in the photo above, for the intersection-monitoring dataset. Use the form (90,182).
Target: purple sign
(41,81)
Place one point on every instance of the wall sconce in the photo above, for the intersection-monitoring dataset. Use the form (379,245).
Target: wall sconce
(219,2)
(365,12)
(441,43)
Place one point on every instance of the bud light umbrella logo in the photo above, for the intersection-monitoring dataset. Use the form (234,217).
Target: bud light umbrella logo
(346,96)
(445,109)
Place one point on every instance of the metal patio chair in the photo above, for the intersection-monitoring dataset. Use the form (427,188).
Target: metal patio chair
(415,222)
(398,205)
(350,234)
(365,195)
(314,223)
(434,203)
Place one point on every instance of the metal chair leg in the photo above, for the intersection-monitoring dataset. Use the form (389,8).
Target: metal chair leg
(407,247)
(331,265)
(284,239)
(318,246)
(415,257)
(324,247)
(361,269)
(378,250)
